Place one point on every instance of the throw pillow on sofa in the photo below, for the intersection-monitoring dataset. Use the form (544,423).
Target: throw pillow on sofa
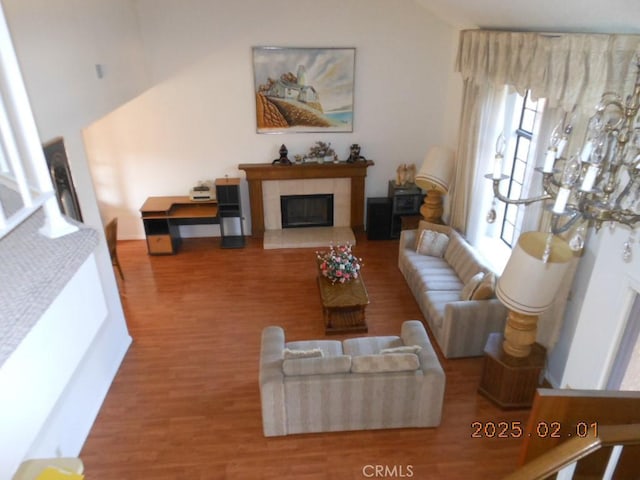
(310,353)
(486,289)
(431,243)
(471,286)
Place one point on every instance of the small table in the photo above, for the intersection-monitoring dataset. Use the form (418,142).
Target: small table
(508,381)
(343,305)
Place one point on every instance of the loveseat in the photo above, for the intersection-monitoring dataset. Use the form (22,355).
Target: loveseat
(329,385)
(454,289)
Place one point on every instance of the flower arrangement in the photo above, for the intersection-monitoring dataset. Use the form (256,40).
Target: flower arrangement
(322,150)
(339,264)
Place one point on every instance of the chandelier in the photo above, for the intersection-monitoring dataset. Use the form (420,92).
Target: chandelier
(596,184)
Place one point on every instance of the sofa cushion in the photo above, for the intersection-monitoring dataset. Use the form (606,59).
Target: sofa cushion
(486,289)
(396,362)
(440,280)
(369,345)
(430,273)
(311,353)
(436,300)
(471,286)
(317,365)
(330,348)
(431,243)
(462,258)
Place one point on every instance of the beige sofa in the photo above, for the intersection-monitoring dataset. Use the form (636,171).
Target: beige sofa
(460,327)
(352,386)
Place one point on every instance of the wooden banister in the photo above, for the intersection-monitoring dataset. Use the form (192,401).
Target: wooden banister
(558,414)
(576,449)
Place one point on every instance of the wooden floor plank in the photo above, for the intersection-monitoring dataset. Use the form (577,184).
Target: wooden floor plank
(185,403)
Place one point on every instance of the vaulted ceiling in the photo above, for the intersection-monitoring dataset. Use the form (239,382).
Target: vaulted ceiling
(589,16)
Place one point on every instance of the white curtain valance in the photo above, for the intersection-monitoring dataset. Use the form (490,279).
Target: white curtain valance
(567,69)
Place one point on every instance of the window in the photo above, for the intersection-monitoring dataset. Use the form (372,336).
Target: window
(518,118)
(525,118)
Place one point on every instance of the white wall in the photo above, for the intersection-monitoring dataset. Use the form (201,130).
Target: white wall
(600,313)
(559,352)
(198,122)
(59,42)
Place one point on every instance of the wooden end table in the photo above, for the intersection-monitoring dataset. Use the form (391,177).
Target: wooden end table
(343,305)
(507,381)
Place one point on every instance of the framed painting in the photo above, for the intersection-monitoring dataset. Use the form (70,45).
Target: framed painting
(304,89)
(58,164)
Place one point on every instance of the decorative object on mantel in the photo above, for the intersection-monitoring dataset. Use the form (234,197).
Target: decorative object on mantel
(597,183)
(339,264)
(321,152)
(354,153)
(405,174)
(302,90)
(434,177)
(283,160)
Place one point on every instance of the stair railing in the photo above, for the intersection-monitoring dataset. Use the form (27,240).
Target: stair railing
(564,458)
(23,168)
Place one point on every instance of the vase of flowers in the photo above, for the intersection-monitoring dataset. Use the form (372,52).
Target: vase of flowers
(322,152)
(339,264)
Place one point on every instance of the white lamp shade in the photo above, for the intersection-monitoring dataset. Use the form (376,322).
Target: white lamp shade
(436,170)
(528,285)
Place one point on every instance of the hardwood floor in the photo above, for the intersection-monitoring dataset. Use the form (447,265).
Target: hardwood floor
(185,403)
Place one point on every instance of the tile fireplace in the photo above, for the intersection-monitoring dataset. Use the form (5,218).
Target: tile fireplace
(261,177)
(315,210)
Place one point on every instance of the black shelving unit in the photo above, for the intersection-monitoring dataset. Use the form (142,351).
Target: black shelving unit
(230,212)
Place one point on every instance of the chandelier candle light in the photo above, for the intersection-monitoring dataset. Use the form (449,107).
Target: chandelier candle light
(600,181)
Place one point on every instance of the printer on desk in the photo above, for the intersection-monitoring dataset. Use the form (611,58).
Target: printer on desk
(202,193)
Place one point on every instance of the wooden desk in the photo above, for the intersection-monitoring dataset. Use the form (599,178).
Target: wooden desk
(162,217)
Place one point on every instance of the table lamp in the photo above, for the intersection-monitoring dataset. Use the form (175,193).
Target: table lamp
(528,285)
(434,177)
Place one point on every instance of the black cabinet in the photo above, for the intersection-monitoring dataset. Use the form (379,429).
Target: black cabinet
(230,212)
(405,201)
(379,218)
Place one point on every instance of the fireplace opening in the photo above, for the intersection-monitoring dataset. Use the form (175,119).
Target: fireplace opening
(307,210)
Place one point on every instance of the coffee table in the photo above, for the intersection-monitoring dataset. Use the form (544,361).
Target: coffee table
(343,305)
